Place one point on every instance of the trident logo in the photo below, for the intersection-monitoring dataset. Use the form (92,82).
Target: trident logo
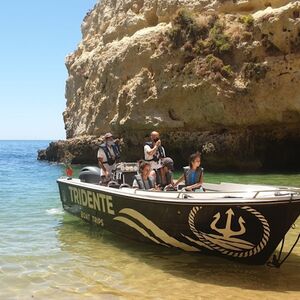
(227,232)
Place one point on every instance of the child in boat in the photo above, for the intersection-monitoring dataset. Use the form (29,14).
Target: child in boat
(163,176)
(143,180)
(193,174)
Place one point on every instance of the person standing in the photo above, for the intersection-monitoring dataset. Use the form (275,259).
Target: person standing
(154,151)
(108,154)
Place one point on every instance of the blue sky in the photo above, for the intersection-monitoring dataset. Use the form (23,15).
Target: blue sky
(36,36)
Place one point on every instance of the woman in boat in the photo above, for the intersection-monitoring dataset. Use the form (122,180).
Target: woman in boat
(163,177)
(193,174)
(143,180)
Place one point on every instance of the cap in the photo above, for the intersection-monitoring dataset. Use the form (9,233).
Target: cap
(108,135)
(168,162)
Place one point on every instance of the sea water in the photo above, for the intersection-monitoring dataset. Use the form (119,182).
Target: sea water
(48,254)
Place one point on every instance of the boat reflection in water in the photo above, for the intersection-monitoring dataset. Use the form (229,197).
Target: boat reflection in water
(241,222)
(102,263)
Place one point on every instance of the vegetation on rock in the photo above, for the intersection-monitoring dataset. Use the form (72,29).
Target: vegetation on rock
(212,40)
(203,37)
(248,20)
(255,71)
(186,28)
(219,43)
(204,32)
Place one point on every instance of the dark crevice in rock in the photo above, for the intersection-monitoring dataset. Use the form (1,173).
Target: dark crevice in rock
(249,149)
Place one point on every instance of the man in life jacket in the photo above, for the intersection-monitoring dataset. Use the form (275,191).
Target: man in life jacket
(108,154)
(154,151)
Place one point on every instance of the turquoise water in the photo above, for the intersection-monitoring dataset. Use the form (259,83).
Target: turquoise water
(47,254)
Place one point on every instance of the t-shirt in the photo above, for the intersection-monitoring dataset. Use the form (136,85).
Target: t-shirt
(154,164)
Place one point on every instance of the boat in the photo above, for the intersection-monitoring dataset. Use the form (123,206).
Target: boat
(237,221)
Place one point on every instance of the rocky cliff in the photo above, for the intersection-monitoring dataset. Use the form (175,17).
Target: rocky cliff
(219,76)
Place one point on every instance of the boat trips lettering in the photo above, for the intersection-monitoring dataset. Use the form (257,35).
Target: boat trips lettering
(85,216)
(96,201)
(98,221)
(88,217)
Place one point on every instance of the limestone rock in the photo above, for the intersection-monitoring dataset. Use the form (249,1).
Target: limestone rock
(281,26)
(187,66)
(75,150)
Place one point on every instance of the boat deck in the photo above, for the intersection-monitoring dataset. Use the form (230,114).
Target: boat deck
(222,193)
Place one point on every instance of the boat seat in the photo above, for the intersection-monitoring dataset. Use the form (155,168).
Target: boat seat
(124,185)
(113,184)
(125,172)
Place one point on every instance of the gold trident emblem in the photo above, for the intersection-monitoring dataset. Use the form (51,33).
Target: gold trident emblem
(227,232)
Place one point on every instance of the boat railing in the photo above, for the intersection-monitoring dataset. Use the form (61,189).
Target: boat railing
(279,192)
(276,192)
(184,194)
(181,193)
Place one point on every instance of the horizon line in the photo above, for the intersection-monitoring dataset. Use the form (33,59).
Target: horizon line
(32,139)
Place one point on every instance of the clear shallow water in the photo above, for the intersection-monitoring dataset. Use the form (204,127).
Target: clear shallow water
(47,254)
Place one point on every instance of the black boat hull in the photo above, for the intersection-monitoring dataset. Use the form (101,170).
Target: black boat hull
(246,230)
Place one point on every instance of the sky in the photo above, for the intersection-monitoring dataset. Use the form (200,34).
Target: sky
(36,36)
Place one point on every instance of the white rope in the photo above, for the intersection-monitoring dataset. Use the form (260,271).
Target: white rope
(255,250)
